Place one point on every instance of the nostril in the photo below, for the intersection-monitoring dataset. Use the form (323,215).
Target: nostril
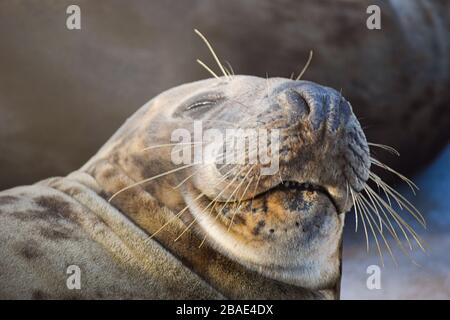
(298,103)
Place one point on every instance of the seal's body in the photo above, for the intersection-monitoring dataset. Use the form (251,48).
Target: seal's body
(200,231)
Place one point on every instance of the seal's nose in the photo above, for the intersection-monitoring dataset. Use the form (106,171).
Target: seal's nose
(297,103)
(318,104)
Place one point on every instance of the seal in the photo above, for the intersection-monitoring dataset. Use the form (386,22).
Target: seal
(275,236)
(137,225)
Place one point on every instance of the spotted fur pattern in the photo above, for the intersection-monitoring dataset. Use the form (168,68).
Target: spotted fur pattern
(121,247)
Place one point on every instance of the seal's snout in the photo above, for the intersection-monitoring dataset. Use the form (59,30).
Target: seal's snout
(325,144)
(315,104)
(296,103)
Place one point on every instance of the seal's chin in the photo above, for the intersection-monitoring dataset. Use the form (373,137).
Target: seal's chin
(290,233)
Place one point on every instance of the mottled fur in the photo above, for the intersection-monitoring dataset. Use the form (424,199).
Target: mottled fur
(289,241)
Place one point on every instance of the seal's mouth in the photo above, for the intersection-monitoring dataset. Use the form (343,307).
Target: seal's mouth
(290,185)
(291,191)
(289,232)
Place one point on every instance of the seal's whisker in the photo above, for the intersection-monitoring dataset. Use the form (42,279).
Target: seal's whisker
(245,191)
(390,228)
(394,234)
(403,222)
(346,195)
(186,179)
(382,188)
(385,147)
(374,208)
(171,144)
(244,105)
(225,155)
(411,184)
(220,156)
(214,201)
(356,206)
(401,200)
(306,66)
(242,196)
(186,229)
(387,225)
(383,204)
(364,225)
(254,190)
(356,210)
(203,241)
(200,62)
(185,208)
(149,179)
(204,210)
(364,212)
(230,67)
(228,72)
(212,51)
(365,202)
(247,153)
(231,182)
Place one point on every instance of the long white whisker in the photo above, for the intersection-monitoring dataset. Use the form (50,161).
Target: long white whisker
(401,200)
(200,62)
(306,66)
(215,202)
(374,208)
(363,207)
(230,67)
(385,147)
(242,196)
(171,144)
(148,180)
(185,208)
(362,219)
(411,184)
(212,51)
(186,179)
(390,227)
(379,230)
(356,210)
(383,204)
(411,231)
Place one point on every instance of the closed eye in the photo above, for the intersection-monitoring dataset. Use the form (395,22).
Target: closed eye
(204,100)
(202,103)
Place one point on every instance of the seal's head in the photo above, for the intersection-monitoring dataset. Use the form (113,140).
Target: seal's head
(282,217)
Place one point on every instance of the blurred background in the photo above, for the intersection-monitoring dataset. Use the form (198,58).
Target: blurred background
(64,92)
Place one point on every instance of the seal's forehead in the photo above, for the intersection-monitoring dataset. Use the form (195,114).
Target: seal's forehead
(242,84)
(248,87)
(231,83)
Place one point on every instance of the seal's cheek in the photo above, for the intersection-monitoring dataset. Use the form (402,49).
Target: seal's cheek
(289,220)
(293,236)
